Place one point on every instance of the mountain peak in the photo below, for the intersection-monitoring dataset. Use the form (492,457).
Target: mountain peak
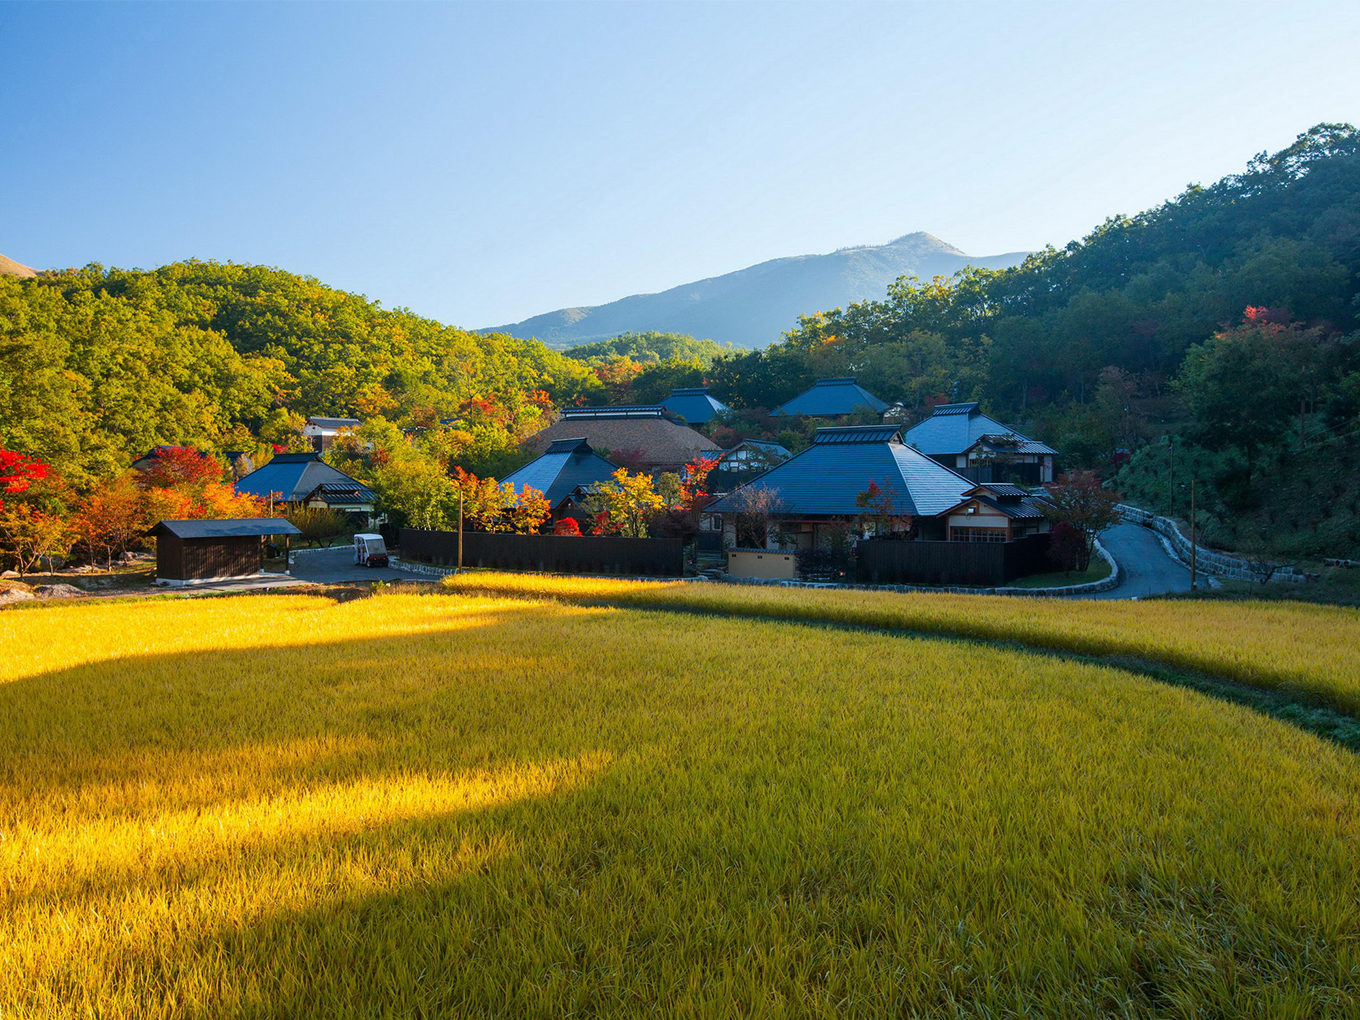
(923,241)
(8,267)
(754,306)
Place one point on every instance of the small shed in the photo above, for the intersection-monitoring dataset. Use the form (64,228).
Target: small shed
(192,552)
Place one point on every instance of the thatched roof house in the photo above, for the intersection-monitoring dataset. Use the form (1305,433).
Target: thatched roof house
(636,435)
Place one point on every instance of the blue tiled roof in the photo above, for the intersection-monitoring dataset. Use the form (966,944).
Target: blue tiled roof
(566,464)
(695,405)
(957,428)
(826,477)
(831,397)
(237,527)
(293,477)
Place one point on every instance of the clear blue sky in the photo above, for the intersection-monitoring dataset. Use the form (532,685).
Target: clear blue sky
(480,163)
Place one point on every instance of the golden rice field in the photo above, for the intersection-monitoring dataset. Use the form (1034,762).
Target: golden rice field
(484,806)
(1310,649)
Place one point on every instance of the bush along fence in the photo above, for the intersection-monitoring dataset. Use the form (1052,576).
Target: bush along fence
(1214,564)
(980,564)
(553,554)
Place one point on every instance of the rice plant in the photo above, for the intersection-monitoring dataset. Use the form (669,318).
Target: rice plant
(1312,649)
(428,806)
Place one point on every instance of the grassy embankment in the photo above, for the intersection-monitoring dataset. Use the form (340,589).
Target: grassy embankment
(435,806)
(1097,571)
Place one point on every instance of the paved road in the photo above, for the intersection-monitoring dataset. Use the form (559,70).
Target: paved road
(1147,568)
(333,566)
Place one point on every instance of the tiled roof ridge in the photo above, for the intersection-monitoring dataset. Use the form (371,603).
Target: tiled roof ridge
(967,407)
(856,433)
(569,444)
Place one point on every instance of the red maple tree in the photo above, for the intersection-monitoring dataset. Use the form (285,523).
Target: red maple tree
(567,527)
(18,471)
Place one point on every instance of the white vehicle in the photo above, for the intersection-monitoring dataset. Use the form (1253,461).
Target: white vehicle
(370,551)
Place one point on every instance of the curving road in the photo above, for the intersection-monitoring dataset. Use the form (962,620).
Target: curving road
(1147,567)
(335,566)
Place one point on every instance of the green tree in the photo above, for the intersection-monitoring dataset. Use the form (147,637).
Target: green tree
(319,525)
(1246,384)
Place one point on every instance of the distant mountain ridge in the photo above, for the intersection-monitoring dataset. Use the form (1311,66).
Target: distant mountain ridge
(752,307)
(8,267)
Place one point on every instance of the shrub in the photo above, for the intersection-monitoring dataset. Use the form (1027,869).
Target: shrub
(318,524)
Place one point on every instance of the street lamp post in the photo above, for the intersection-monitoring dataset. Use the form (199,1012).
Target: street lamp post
(1194,542)
(460,532)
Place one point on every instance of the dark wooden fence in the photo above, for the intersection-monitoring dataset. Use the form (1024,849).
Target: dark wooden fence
(628,557)
(710,541)
(980,564)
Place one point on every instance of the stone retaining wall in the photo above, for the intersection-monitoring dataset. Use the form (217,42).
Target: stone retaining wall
(303,552)
(1211,563)
(396,563)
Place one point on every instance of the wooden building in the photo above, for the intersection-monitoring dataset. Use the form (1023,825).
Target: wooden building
(322,432)
(814,495)
(980,448)
(304,479)
(193,552)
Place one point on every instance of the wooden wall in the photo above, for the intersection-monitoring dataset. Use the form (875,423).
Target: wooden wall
(191,559)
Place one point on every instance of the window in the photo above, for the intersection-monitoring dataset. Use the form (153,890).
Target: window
(977,534)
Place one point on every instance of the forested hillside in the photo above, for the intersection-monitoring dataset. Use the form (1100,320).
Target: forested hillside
(1213,337)
(1221,325)
(97,366)
(1135,294)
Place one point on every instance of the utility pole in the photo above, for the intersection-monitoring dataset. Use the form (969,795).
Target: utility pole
(459,569)
(1194,544)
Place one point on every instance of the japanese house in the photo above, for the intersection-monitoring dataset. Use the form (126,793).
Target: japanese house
(323,431)
(639,437)
(304,479)
(832,398)
(961,437)
(997,512)
(695,405)
(815,492)
(743,462)
(565,466)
